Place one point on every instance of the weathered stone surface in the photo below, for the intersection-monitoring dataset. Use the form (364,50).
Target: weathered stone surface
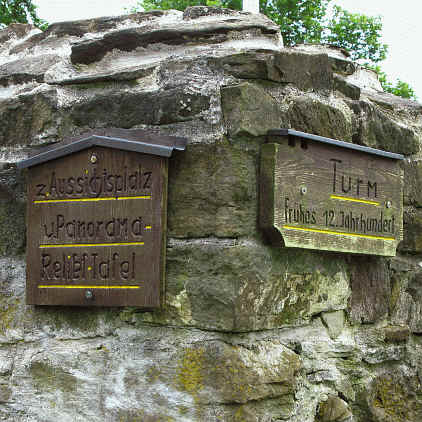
(412,194)
(306,71)
(394,398)
(396,334)
(406,300)
(26,69)
(14,30)
(394,102)
(12,212)
(249,65)
(348,76)
(82,27)
(308,289)
(90,51)
(334,321)
(348,89)
(366,79)
(212,192)
(338,57)
(375,350)
(331,51)
(309,114)
(334,409)
(12,225)
(12,308)
(248,109)
(93,78)
(126,109)
(187,377)
(342,66)
(379,130)
(370,284)
(201,11)
(249,332)
(28,43)
(13,35)
(102,24)
(27,117)
(412,230)
(414,290)
(119,48)
(239,380)
(241,286)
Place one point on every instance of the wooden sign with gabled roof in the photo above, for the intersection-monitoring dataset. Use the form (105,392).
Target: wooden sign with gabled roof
(96,219)
(321,193)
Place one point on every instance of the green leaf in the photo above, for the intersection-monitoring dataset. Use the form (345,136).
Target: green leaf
(359,34)
(20,11)
(401,89)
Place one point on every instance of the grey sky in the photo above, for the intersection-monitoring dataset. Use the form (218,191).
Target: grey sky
(402,30)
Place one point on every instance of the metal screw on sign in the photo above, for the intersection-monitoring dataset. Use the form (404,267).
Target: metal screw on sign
(388,204)
(89,295)
(303,190)
(93,158)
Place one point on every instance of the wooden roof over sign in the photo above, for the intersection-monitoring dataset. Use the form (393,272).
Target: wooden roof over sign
(135,140)
(335,142)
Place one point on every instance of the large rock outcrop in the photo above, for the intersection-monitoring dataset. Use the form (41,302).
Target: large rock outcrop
(250,332)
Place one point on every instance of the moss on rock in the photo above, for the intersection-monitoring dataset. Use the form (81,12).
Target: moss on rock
(237,374)
(391,400)
(47,377)
(9,311)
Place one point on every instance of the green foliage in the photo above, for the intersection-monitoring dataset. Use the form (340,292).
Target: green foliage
(20,11)
(300,21)
(359,34)
(173,4)
(401,89)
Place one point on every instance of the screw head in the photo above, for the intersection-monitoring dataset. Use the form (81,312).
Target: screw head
(388,204)
(93,158)
(89,295)
(303,190)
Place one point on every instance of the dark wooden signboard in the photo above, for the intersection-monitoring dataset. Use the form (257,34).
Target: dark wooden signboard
(316,193)
(96,229)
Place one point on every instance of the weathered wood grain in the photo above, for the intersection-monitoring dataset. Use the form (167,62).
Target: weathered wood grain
(96,229)
(320,196)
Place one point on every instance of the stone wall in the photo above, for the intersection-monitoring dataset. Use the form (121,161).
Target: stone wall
(250,332)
